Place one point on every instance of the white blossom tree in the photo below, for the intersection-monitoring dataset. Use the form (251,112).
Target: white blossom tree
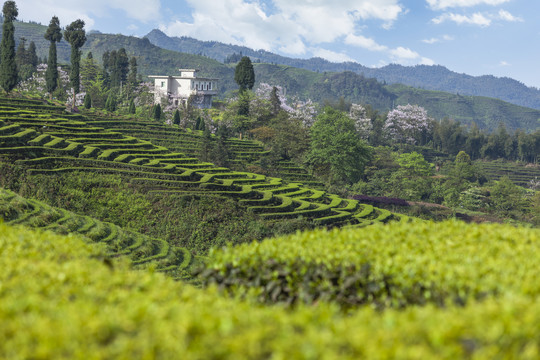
(407,123)
(362,122)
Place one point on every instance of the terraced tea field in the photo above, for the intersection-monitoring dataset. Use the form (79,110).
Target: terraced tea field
(141,249)
(520,174)
(47,140)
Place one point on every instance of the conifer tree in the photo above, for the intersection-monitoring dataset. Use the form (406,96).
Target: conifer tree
(8,66)
(132,109)
(275,101)
(76,36)
(157,112)
(176,117)
(244,75)
(20,54)
(89,70)
(119,67)
(132,78)
(54,35)
(110,104)
(32,54)
(87,101)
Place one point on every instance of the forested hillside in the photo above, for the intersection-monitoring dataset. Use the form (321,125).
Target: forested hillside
(305,84)
(422,76)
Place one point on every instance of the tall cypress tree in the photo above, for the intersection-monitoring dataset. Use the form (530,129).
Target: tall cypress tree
(32,55)
(54,35)
(132,109)
(132,77)
(244,75)
(157,112)
(76,36)
(176,117)
(8,67)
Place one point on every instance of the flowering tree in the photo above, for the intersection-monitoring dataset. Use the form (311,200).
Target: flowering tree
(37,84)
(265,90)
(304,111)
(362,122)
(407,123)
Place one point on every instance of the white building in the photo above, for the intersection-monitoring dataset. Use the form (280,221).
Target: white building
(177,89)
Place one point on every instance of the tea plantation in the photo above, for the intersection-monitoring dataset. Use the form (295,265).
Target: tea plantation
(60,299)
(46,140)
(368,284)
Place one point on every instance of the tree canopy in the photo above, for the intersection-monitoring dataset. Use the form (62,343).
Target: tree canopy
(54,35)
(244,74)
(76,36)
(8,66)
(337,152)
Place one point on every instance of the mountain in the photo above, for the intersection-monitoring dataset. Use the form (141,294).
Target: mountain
(305,84)
(427,77)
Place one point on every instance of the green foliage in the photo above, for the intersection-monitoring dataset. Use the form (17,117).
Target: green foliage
(54,35)
(244,75)
(76,36)
(132,77)
(87,101)
(156,114)
(110,105)
(337,153)
(8,65)
(99,307)
(506,196)
(176,117)
(26,59)
(399,265)
(132,109)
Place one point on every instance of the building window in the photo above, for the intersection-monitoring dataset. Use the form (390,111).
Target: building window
(163,84)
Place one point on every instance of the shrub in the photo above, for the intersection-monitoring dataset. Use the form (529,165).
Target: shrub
(100,309)
(399,265)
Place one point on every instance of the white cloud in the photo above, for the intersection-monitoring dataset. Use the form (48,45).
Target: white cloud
(69,10)
(406,56)
(474,19)
(364,42)
(506,16)
(435,40)
(445,4)
(480,19)
(291,27)
(504,63)
(431,40)
(331,55)
(404,53)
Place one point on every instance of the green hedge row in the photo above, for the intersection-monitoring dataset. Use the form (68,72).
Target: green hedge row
(105,311)
(392,266)
(139,248)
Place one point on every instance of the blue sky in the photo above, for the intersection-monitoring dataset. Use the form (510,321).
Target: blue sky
(477,37)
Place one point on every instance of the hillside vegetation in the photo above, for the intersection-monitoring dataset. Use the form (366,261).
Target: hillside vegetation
(319,86)
(46,141)
(421,76)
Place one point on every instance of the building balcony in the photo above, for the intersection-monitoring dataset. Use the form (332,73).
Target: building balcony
(204,92)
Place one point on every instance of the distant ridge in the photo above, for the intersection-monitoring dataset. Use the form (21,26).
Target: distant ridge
(426,77)
(319,86)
